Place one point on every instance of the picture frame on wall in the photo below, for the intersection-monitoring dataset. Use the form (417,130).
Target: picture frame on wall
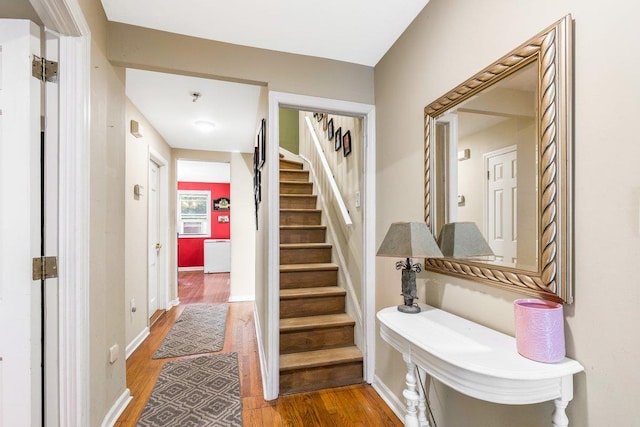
(338,139)
(319,117)
(346,143)
(330,132)
(325,121)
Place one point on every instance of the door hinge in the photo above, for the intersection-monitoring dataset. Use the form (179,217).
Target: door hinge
(45,267)
(43,69)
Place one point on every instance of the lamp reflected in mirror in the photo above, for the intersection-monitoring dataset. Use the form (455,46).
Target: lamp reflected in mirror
(409,240)
(464,240)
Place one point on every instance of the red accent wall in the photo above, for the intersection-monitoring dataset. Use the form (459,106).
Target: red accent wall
(191,249)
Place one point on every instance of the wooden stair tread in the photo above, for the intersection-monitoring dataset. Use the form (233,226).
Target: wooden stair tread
(305,245)
(315,358)
(293,163)
(298,196)
(320,266)
(305,183)
(303,227)
(316,322)
(317,292)
(300,210)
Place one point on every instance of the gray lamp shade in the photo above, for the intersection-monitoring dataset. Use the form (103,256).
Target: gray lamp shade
(409,240)
(463,240)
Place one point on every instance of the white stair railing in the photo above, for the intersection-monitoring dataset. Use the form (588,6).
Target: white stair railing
(318,161)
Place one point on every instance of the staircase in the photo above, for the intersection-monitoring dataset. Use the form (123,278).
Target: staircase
(317,348)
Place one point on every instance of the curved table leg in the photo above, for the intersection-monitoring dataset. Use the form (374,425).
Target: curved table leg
(560,418)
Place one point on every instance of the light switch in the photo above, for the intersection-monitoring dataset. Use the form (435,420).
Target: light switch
(114,352)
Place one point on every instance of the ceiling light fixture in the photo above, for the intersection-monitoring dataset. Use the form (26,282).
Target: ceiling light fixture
(204,125)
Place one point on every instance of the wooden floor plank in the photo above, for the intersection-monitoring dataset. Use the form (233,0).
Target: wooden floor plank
(350,406)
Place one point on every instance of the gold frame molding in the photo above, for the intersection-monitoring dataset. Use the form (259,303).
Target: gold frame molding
(552,48)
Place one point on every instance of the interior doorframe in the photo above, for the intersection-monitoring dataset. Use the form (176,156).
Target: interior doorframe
(163,224)
(279,100)
(66,18)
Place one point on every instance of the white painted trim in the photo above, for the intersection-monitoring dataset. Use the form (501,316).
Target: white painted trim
(264,368)
(173,303)
(369,246)
(118,407)
(390,398)
(196,268)
(74,258)
(332,106)
(63,16)
(166,238)
(329,174)
(242,298)
(135,343)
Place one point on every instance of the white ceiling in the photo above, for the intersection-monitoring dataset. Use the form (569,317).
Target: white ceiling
(165,100)
(356,31)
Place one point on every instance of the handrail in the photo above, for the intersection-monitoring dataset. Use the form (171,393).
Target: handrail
(332,182)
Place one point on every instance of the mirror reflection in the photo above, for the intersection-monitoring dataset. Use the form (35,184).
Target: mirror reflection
(486,167)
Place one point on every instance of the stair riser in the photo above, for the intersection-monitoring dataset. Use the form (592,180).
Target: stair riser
(284,164)
(301,307)
(308,279)
(308,202)
(309,379)
(289,175)
(296,188)
(305,256)
(300,218)
(316,339)
(302,236)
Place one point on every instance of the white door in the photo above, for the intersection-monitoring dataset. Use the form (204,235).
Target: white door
(20,226)
(502,201)
(154,236)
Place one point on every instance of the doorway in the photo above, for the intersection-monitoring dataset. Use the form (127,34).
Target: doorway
(501,203)
(270,249)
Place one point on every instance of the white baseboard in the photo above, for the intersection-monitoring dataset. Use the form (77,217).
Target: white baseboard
(191,268)
(389,398)
(173,303)
(242,298)
(131,347)
(117,409)
(263,360)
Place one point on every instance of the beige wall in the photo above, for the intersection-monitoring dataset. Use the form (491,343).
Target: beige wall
(106,223)
(136,218)
(261,240)
(243,230)
(602,322)
(348,173)
(139,47)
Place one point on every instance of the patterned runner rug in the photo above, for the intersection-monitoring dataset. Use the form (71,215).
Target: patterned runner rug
(202,391)
(199,329)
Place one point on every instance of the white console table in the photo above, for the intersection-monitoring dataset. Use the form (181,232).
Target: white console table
(474,360)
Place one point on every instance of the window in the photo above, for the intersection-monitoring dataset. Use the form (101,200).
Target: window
(194,214)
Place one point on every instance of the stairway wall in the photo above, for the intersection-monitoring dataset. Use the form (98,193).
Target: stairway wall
(348,173)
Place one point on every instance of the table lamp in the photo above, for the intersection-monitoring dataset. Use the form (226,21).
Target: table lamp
(409,240)
(464,240)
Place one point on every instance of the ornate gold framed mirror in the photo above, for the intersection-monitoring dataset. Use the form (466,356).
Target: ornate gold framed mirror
(498,153)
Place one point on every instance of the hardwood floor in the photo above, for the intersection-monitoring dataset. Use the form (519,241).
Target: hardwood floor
(357,405)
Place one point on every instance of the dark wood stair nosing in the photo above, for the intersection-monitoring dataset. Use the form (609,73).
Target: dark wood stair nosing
(312,292)
(322,321)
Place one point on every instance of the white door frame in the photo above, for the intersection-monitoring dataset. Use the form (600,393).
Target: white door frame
(367,111)
(164,238)
(66,18)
